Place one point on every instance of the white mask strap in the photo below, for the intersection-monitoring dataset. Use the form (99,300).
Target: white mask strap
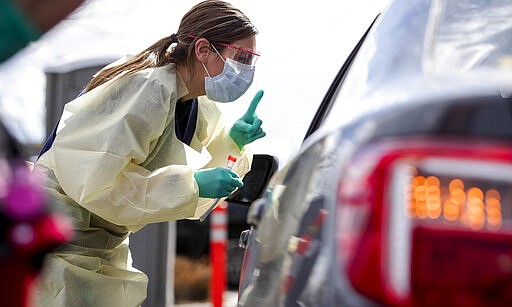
(206,70)
(218,53)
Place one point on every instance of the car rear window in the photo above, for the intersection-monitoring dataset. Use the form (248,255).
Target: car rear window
(472,35)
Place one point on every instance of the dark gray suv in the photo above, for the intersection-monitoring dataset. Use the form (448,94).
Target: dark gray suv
(402,191)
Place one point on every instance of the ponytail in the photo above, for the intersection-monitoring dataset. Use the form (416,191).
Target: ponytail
(155,55)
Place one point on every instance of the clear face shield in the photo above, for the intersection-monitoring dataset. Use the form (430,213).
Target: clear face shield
(237,53)
(240,54)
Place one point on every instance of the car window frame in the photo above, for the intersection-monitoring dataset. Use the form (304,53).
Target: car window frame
(326,104)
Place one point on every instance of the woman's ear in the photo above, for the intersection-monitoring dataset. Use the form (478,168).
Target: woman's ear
(202,49)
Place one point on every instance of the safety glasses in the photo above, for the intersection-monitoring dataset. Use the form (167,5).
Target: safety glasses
(241,55)
(237,53)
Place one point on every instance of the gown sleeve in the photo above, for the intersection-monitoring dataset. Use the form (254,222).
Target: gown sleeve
(102,138)
(213,134)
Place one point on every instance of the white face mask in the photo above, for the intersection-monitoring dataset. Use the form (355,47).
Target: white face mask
(231,83)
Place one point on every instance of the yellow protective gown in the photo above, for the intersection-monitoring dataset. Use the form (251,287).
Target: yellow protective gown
(115,166)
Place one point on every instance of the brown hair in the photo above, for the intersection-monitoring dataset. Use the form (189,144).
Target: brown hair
(217,21)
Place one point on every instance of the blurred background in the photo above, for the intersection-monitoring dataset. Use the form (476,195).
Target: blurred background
(303,44)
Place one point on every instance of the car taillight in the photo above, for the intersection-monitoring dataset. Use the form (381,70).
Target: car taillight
(428,222)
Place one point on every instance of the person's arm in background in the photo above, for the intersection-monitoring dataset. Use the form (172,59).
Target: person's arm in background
(23,21)
(45,14)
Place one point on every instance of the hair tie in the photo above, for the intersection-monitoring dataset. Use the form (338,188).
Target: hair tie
(174,38)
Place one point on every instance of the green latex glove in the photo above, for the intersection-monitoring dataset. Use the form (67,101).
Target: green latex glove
(217,182)
(247,128)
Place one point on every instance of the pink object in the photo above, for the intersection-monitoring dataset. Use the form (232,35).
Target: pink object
(25,198)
